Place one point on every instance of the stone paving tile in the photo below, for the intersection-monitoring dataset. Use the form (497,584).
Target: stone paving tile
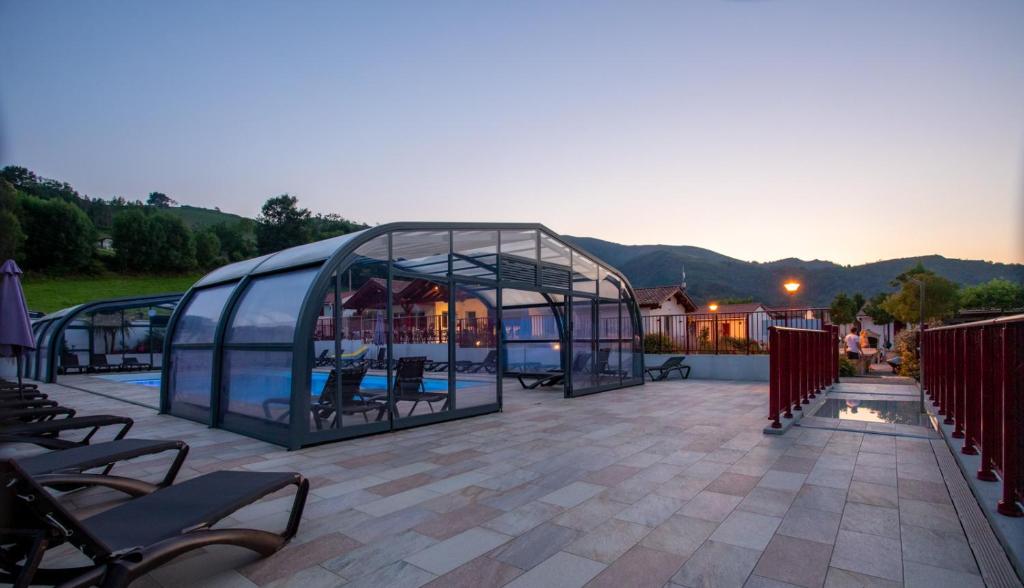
(295,558)
(711,506)
(916,575)
(830,478)
(875,520)
(456,521)
(937,548)
(821,498)
(795,464)
(735,484)
(839,578)
(755,581)
(875,475)
(810,524)
(573,494)
(482,571)
(562,570)
(451,553)
(639,568)
(524,518)
(651,510)
(868,554)
(938,517)
(311,577)
(873,494)
(373,556)
(746,529)
(780,480)
(397,575)
(680,534)
(925,491)
(591,513)
(795,561)
(717,565)
(535,546)
(608,541)
(767,501)
(611,475)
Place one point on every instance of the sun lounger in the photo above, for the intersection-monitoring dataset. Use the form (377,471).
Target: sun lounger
(409,387)
(68,362)
(26,394)
(79,460)
(672,364)
(15,403)
(531,380)
(47,433)
(133,538)
(133,363)
(324,408)
(33,414)
(98,363)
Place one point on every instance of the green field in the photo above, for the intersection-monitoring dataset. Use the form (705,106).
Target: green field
(54,293)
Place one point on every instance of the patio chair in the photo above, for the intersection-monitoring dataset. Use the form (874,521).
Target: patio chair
(18,394)
(409,387)
(672,364)
(357,355)
(133,363)
(138,536)
(322,359)
(381,363)
(531,379)
(324,408)
(68,362)
(98,363)
(47,433)
(77,461)
(13,402)
(489,363)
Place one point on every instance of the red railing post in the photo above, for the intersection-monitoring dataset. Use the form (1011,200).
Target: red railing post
(990,395)
(958,383)
(1012,352)
(972,396)
(789,362)
(774,388)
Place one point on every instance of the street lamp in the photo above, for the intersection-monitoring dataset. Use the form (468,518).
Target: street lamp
(791,286)
(920,337)
(713,307)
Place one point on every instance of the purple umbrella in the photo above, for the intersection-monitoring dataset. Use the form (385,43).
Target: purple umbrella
(15,327)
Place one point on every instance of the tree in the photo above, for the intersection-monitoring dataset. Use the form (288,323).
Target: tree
(62,237)
(843,309)
(160,200)
(132,241)
(174,249)
(875,309)
(236,240)
(11,235)
(940,297)
(208,249)
(997,294)
(282,224)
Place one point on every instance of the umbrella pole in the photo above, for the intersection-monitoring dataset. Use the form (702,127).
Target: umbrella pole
(21,389)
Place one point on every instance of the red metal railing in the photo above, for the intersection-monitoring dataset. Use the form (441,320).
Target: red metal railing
(974,374)
(802,362)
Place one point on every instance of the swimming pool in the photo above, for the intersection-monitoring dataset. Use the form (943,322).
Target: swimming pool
(370,382)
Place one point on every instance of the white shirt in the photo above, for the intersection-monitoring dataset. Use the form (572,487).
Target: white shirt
(853,342)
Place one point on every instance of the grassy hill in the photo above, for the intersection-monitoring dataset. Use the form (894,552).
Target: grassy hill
(201,218)
(52,294)
(711,275)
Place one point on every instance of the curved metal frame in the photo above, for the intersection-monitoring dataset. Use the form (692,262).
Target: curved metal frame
(55,329)
(340,259)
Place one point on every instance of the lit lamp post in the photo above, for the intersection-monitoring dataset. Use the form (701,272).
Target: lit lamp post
(791,286)
(713,307)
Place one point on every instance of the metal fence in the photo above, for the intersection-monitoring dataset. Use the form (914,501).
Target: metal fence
(744,333)
(802,363)
(974,374)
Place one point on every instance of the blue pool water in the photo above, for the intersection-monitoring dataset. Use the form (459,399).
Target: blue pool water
(370,382)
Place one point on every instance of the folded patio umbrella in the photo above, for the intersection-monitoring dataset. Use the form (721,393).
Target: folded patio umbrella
(15,326)
(378,331)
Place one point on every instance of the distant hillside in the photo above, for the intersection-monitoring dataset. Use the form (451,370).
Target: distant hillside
(201,218)
(711,275)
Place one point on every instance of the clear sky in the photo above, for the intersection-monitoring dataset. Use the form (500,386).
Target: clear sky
(850,131)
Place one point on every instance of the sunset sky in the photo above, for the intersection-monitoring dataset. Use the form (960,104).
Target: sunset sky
(850,131)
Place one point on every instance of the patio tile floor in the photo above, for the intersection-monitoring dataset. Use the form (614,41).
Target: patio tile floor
(669,484)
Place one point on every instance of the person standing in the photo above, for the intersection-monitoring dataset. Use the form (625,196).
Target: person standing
(852,341)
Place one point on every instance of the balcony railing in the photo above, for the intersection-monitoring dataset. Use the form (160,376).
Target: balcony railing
(744,333)
(802,363)
(974,373)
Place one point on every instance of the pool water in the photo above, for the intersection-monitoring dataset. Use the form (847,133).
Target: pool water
(370,382)
(900,412)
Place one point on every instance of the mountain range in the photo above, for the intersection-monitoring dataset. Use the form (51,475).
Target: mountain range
(713,276)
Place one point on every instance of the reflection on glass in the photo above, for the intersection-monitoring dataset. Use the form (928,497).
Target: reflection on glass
(254,383)
(583,345)
(521,244)
(584,274)
(189,382)
(198,322)
(270,307)
(554,252)
(422,252)
(476,346)
(475,254)
(421,331)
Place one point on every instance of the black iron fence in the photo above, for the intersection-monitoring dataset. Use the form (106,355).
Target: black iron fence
(743,333)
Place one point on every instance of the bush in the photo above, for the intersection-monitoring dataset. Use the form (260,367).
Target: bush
(62,237)
(846,367)
(906,346)
(659,343)
(737,345)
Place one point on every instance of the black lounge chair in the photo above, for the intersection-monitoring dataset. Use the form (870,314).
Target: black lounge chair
(133,363)
(324,409)
(409,387)
(552,377)
(47,433)
(98,363)
(26,394)
(138,536)
(381,362)
(672,364)
(68,362)
(322,359)
(489,363)
(16,403)
(79,460)
(33,414)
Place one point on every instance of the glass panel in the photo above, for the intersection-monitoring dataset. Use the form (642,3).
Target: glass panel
(74,353)
(257,384)
(269,308)
(198,322)
(476,346)
(232,271)
(584,274)
(552,251)
(422,252)
(188,383)
(610,284)
(420,348)
(362,339)
(607,366)
(531,335)
(475,254)
(631,345)
(522,244)
(44,345)
(583,348)
(308,253)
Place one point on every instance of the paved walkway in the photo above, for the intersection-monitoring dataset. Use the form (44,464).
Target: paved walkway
(670,484)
